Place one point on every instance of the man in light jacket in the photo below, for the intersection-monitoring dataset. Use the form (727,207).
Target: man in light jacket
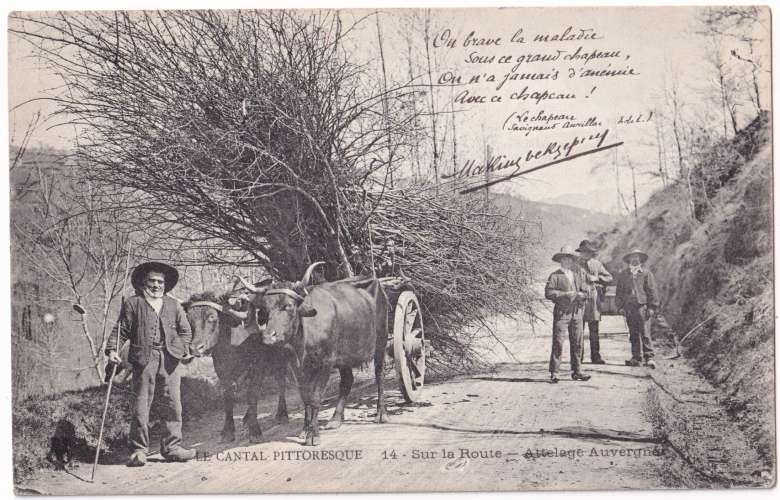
(567,289)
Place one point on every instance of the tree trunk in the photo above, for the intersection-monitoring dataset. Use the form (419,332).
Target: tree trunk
(432,100)
(385,110)
(413,100)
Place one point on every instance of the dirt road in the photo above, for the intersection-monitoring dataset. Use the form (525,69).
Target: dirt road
(506,430)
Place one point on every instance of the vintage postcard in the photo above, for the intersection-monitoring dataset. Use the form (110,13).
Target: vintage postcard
(391,250)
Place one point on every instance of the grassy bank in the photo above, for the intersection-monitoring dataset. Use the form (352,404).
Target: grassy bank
(35,420)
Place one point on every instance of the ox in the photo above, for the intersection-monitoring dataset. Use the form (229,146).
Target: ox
(217,330)
(341,324)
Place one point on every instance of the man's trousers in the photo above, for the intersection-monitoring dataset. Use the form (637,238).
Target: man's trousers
(567,324)
(639,332)
(163,374)
(593,339)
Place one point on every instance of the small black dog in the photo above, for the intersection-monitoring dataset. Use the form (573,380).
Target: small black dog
(62,444)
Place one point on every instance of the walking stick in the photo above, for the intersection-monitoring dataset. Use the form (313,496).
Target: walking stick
(679,343)
(113,373)
(641,338)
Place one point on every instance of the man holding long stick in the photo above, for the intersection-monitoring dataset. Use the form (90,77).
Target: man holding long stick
(160,337)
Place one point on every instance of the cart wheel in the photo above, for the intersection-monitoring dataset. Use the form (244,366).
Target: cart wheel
(409,346)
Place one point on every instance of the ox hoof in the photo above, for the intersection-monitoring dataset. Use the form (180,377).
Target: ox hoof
(312,441)
(334,423)
(256,438)
(282,418)
(227,437)
(381,418)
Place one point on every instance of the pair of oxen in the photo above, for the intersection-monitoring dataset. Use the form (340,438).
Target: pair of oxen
(310,329)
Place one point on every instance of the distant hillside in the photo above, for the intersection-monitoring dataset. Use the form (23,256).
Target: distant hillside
(598,200)
(559,224)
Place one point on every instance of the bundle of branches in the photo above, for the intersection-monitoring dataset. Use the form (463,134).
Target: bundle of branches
(254,132)
(241,126)
(465,257)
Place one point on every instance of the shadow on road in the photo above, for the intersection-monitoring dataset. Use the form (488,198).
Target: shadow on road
(513,379)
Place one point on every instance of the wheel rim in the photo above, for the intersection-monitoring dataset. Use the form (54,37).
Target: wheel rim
(408,346)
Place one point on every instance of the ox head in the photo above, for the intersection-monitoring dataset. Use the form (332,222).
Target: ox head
(210,317)
(203,314)
(285,306)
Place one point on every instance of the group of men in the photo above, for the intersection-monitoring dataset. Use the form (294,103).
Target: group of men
(160,336)
(575,290)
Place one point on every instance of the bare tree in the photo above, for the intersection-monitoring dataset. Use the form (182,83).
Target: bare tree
(736,30)
(633,169)
(661,149)
(21,144)
(673,104)
(432,94)
(725,87)
(256,139)
(76,245)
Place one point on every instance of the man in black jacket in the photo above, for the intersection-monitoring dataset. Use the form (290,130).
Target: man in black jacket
(637,297)
(160,336)
(597,277)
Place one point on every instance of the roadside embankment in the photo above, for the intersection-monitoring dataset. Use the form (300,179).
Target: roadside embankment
(710,451)
(715,274)
(35,421)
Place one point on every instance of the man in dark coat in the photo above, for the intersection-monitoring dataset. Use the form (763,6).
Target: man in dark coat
(637,297)
(596,277)
(160,336)
(388,266)
(567,289)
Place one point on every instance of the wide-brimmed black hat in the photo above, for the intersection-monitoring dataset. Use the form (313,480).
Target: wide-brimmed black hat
(586,246)
(141,270)
(642,256)
(565,252)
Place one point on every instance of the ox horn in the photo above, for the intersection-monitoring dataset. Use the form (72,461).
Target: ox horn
(261,288)
(246,284)
(307,275)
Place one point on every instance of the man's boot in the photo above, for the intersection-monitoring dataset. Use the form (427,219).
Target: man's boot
(137,459)
(650,364)
(633,362)
(179,454)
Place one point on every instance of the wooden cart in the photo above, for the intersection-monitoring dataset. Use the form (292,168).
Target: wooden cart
(406,339)
(607,304)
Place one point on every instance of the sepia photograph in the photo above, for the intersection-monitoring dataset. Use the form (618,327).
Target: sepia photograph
(390,250)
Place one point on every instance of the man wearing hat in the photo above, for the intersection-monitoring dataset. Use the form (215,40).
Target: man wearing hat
(388,266)
(160,336)
(637,297)
(596,276)
(567,289)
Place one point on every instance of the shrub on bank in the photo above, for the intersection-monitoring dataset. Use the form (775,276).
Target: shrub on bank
(35,420)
